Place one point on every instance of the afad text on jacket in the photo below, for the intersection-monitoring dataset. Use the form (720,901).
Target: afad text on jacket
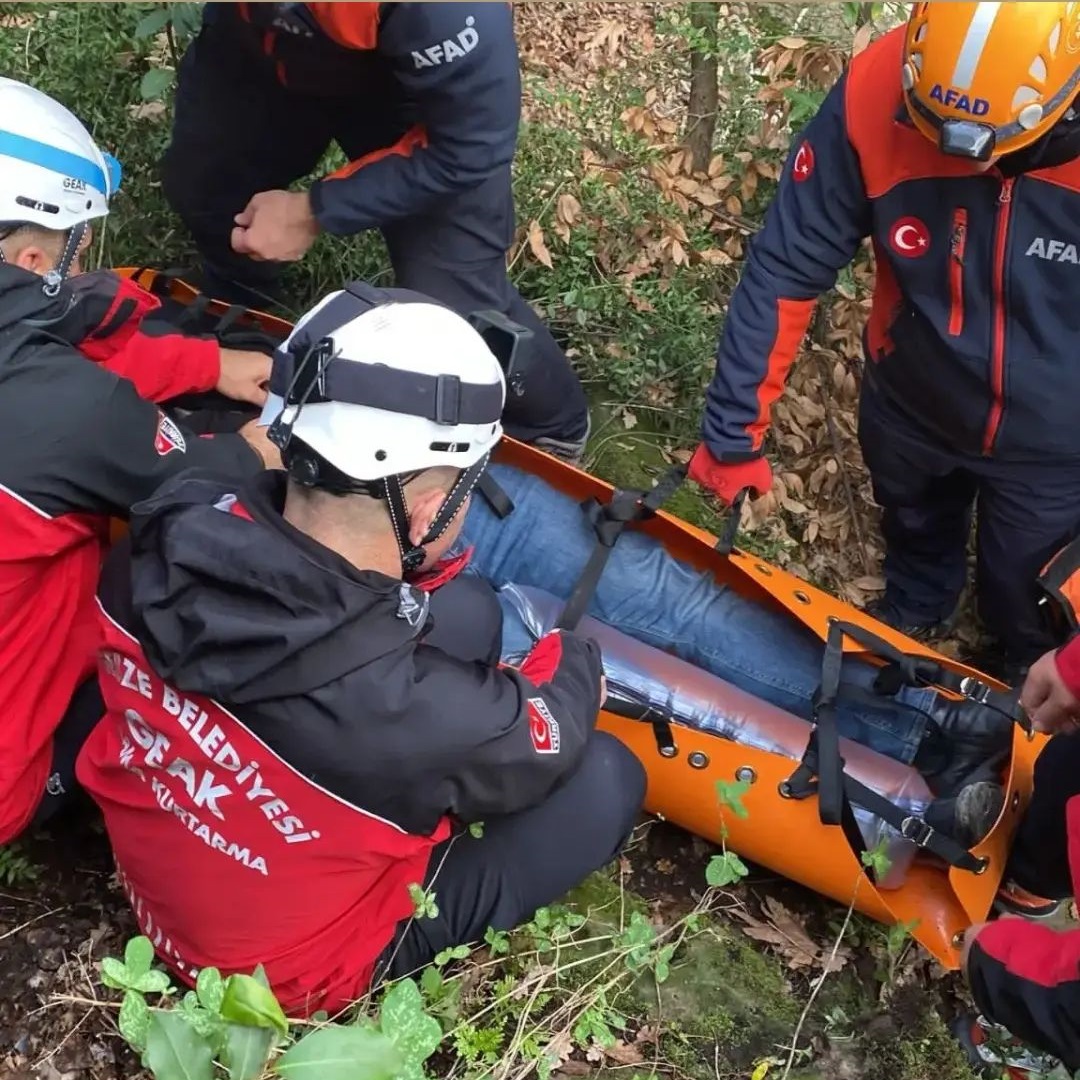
(284,740)
(972,335)
(77,445)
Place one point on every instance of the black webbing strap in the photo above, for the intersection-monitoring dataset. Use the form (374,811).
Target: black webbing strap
(608,521)
(725,542)
(908,669)
(497,499)
(821,770)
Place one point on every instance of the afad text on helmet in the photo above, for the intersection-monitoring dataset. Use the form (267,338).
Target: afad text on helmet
(955,99)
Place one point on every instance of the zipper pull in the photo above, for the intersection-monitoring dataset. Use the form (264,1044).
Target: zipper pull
(956,244)
(1005,195)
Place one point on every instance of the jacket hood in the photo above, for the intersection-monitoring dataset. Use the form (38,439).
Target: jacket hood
(231,601)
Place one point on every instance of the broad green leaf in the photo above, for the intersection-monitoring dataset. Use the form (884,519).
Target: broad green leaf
(725,869)
(152,24)
(114,973)
(151,982)
(138,955)
(174,1051)
(134,1020)
(341,1053)
(431,981)
(155,82)
(206,1023)
(403,1018)
(210,987)
(247,1001)
(246,1050)
(259,975)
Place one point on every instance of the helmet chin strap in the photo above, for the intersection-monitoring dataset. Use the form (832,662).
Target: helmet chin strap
(392,490)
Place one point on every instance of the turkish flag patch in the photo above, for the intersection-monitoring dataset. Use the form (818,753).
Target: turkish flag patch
(168,437)
(543,727)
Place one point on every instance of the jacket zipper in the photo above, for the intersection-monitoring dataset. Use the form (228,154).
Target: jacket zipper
(957,243)
(997,349)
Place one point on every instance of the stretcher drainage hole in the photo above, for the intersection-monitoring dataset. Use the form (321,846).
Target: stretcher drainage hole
(801,597)
(745,774)
(1016,801)
(761,568)
(697,759)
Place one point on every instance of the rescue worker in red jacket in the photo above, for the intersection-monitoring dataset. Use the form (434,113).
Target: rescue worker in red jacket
(305,703)
(953,144)
(78,445)
(425,101)
(1025,976)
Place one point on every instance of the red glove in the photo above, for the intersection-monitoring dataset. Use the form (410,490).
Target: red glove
(726,479)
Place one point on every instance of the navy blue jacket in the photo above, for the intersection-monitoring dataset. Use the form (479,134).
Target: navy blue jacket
(441,79)
(974,333)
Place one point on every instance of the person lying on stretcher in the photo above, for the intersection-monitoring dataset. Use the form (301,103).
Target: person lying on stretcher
(305,697)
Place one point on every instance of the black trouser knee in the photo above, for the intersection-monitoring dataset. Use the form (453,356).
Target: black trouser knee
(1040,855)
(83,714)
(527,860)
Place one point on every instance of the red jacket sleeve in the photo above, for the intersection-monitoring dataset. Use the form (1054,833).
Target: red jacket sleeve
(165,366)
(1067,660)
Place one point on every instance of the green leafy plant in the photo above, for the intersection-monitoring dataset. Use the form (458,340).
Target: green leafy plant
(235,1027)
(15,868)
(727,868)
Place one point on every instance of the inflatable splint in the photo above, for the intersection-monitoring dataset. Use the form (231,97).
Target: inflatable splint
(814,804)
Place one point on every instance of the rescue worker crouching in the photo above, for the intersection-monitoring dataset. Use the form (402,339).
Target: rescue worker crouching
(302,730)
(954,144)
(425,101)
(78,445)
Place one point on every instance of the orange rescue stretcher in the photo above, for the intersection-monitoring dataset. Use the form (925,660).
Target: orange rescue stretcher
(786,828)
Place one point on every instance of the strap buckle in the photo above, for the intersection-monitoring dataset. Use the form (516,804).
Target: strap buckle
(447,399)
(917,831)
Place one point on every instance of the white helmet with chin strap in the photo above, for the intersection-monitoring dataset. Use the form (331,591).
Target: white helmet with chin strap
(374,386)
(52,173)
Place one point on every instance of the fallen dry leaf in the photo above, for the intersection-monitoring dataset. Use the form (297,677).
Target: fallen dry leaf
(624,1054)
(537,245)
(786,933)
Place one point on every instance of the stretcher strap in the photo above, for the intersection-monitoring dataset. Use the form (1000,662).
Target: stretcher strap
(501,503)
(906,669)
(837,792)
(608,521)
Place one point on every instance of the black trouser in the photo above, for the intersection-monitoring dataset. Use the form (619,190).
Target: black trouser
(82,716)
(1037,1005)
(237,132)
(524,861)
(1040,856)
(1026,512)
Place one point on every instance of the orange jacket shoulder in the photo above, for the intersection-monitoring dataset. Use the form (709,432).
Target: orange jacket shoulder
(353,26)
(889,150)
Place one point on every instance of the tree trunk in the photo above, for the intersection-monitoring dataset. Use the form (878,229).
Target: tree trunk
(704,92)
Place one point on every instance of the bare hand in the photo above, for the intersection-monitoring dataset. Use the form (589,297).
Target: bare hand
(278,226)
(244,375)
(259,442)
(1047,699)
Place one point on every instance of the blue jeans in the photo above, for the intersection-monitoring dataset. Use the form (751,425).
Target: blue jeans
(646,593)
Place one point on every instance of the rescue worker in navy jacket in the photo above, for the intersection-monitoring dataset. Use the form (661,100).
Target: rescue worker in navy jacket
(424,99)
(305,698)
(953,144)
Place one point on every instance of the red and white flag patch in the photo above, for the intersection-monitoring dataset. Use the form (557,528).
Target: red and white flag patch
(543,727)
(168,437)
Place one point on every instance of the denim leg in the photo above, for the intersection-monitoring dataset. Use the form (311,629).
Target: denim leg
(647,594)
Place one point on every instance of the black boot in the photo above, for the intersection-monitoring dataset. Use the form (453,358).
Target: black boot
(970,814)
(887,612)
(964,742)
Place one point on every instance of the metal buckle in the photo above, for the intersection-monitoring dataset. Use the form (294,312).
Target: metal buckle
(975,690)
(917,831)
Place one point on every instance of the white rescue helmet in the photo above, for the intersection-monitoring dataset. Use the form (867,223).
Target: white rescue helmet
(376,385)
(52,173)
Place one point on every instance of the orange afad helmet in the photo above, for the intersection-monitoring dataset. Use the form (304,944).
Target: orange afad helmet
(983,80)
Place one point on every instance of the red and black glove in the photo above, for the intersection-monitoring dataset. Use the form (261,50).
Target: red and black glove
(726,479)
